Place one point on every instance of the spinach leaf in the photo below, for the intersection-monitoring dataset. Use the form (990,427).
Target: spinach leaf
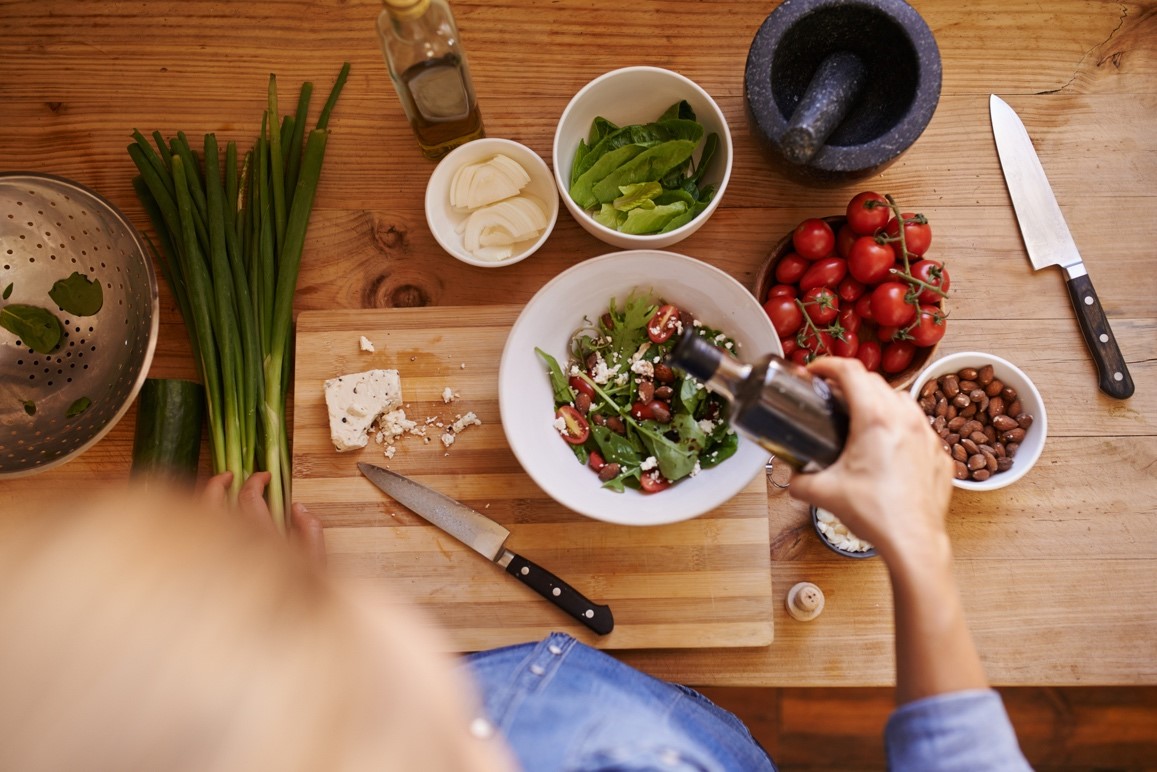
(720,452)
(653,219)
(558,381)
(691,436)
(609,216)
(77,295)
(581,453)
(651,164)
(38,328)
(641,194)
(78,407)
(675,461)
(616,448)
(601,128)
(709,149)
(681,110)
(690,396)
(582,188)
(643,134)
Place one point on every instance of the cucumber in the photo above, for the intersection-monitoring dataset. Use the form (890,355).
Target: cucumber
(167,443)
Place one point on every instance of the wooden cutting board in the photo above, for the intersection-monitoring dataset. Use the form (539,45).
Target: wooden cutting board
(701,583)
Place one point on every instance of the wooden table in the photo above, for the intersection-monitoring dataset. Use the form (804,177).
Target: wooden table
(1058,573)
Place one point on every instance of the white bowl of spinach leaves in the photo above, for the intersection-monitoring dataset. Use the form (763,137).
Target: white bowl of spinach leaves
(642,156)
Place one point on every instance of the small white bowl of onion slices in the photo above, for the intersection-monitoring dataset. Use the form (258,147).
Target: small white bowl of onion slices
(491,202)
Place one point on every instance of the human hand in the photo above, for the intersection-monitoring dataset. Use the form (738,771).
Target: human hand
(893,481)
(305,530)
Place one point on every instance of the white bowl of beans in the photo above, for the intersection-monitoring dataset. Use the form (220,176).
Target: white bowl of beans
(989,414)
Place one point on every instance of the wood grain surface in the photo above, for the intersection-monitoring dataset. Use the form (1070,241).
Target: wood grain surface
(1058,572)
(701,583)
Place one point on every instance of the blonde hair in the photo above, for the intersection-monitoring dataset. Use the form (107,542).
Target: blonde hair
(148,634)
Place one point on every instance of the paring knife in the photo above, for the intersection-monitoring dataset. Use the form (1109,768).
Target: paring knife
(488,539)
(1048,241)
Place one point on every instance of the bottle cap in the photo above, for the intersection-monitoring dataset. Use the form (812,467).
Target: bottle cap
(696,356)
(406,9)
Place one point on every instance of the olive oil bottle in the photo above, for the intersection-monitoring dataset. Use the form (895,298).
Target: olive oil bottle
(794,415)
(428,67)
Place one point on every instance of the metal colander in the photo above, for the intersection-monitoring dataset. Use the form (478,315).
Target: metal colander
(50,227)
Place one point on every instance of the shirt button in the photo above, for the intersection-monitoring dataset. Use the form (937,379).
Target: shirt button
(537,669)
(670,757)
(481,728)
(555,650)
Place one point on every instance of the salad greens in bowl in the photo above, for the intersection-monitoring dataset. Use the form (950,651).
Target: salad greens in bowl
(641,157)
(601,426)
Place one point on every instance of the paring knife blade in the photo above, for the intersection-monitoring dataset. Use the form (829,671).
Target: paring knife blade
(488,539)
(1048,241)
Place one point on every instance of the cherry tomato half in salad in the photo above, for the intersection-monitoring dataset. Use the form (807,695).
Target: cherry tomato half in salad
(868,212)
(917,235)
(785,315)
(663,323)
(813,239)
(790,268)
(869,354)
(576,427)
(825,272)
(581,386)
(653,482)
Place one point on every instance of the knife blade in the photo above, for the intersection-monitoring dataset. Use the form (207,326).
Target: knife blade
(1048,242)
(488,539)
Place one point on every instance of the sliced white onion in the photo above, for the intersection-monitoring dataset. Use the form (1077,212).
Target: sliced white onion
(494,229)
(481,184)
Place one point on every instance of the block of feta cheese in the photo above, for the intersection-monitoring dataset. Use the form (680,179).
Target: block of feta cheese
(355,401)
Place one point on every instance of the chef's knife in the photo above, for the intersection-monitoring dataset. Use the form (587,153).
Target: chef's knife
(1048,241)
(488,539)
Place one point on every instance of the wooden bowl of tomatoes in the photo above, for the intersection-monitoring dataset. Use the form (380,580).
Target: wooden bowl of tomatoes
(851,285)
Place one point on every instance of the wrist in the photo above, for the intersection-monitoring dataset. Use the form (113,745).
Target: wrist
(917,556)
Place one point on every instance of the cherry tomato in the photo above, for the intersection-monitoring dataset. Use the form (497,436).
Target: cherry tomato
(889,304)
(818,346)
(663,323)
(789,345)
(595,461)
(813,239)
(581,386)
(845,237)
(868,212)
(849,319)
(869,354)
(885,334)
(930,327)
(801,356)
(917,235)
(787,290)
(897,356)
(653,482)
(821,305)
(934,273)
(577,429)
(848,346)
(785,315)
(850,289)
(790,268)
(864,308)
(825,272)
(870,260)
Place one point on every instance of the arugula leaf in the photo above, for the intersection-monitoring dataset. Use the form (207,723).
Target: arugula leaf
(720,452)
(77,295)
(581,453)
(78,407)
(558,381)
(38,328)
(630,327)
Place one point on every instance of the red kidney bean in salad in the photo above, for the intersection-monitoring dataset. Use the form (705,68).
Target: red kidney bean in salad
(632,419)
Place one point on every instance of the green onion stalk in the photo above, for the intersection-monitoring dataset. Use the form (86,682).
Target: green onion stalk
(231,235)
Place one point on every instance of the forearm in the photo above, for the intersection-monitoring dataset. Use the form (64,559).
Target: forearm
(935,653)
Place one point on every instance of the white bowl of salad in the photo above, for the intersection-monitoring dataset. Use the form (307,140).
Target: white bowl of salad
(642,156)
(591,410)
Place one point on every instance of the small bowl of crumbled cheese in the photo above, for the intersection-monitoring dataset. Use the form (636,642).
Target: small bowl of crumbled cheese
(836,536)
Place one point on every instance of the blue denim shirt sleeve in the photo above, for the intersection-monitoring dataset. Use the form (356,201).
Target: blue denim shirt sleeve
(953,732)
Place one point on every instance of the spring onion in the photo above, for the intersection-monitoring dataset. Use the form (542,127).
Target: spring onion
(231,243)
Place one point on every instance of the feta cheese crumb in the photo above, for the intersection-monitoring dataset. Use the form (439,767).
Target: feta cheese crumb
(366,344)
(649,463)
(465,422)
(574,371)
(643,368)
(602,373)
(706,426)
(395,423)
(390,451)
(447,395)
(696,469)
(447,439)
(462,366)
(559,425)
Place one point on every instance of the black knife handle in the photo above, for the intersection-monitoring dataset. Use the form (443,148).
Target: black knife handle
(1112,374)
(561,594)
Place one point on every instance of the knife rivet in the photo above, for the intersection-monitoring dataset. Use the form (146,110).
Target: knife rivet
(1104,338)
(1088,300)
(524,571)
(1118,377)
(590,614)
(556,592)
